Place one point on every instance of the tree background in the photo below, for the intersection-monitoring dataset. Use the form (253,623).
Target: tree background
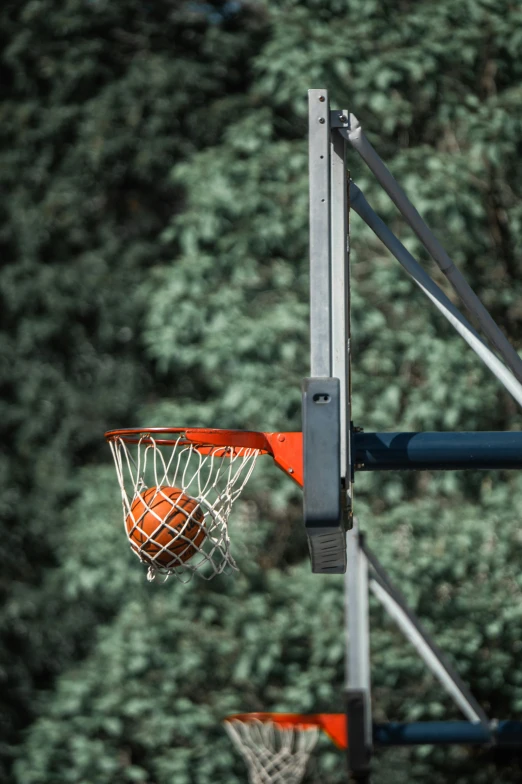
(153,237)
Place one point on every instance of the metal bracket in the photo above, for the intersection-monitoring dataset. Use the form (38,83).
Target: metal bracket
(339,119)
(321,492)
(358,751)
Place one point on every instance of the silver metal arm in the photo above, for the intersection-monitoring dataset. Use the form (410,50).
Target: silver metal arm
(468,705)
(359,203)
(355,135)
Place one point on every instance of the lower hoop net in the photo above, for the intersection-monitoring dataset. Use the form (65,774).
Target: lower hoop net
(177,499)
(274,753)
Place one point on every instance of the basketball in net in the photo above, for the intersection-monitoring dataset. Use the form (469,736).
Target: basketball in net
(178,486)
(165,526)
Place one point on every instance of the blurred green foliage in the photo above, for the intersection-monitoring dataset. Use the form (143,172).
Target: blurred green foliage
(154,247)
(92,121)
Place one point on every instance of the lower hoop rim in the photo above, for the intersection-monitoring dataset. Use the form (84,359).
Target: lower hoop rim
(333,724)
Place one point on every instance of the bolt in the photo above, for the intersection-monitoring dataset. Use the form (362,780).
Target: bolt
(290,470)
(321,98)
(359,466)
(358,430)
(322,120)
(281,437)
(342,118)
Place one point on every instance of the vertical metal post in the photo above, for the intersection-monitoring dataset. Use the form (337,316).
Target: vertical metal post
(323,405)
(356,581)
(340,294)
(358,684)
(320,240)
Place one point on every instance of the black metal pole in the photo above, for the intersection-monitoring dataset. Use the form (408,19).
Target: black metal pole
(359,754)
(503,733)
(436,451)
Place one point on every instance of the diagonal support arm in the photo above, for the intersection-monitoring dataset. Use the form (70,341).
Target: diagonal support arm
(395,604)
(357,138)
(433,292)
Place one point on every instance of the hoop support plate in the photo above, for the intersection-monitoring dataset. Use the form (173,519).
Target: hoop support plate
(322,506)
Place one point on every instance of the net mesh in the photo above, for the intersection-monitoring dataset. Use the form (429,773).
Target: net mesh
(274,754)
(177,500)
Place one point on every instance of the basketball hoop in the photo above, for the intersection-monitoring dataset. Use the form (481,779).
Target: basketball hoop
(178,487)
(276,746)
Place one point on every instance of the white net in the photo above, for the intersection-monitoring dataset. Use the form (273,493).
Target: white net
(274,754)
(177,499)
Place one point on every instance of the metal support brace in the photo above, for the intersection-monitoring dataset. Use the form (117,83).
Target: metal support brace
(433,292)
(340,276)
(437,451)
(503,734)
(355,135)
(394,603)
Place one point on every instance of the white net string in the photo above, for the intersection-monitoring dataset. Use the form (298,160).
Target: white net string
(177,502)
(273,754)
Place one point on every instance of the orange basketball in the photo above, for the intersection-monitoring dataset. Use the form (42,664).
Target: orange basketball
(165,517)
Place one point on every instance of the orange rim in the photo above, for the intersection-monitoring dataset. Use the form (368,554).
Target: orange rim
(285,448)
(203,436)
(333,724)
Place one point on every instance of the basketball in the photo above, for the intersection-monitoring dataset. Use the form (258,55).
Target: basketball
(165,517)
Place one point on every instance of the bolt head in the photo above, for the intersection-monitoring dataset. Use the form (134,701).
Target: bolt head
(281,437)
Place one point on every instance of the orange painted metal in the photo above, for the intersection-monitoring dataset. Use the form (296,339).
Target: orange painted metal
(333,724)
(170,436)
(240,439)
(287,451)
(285,448)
